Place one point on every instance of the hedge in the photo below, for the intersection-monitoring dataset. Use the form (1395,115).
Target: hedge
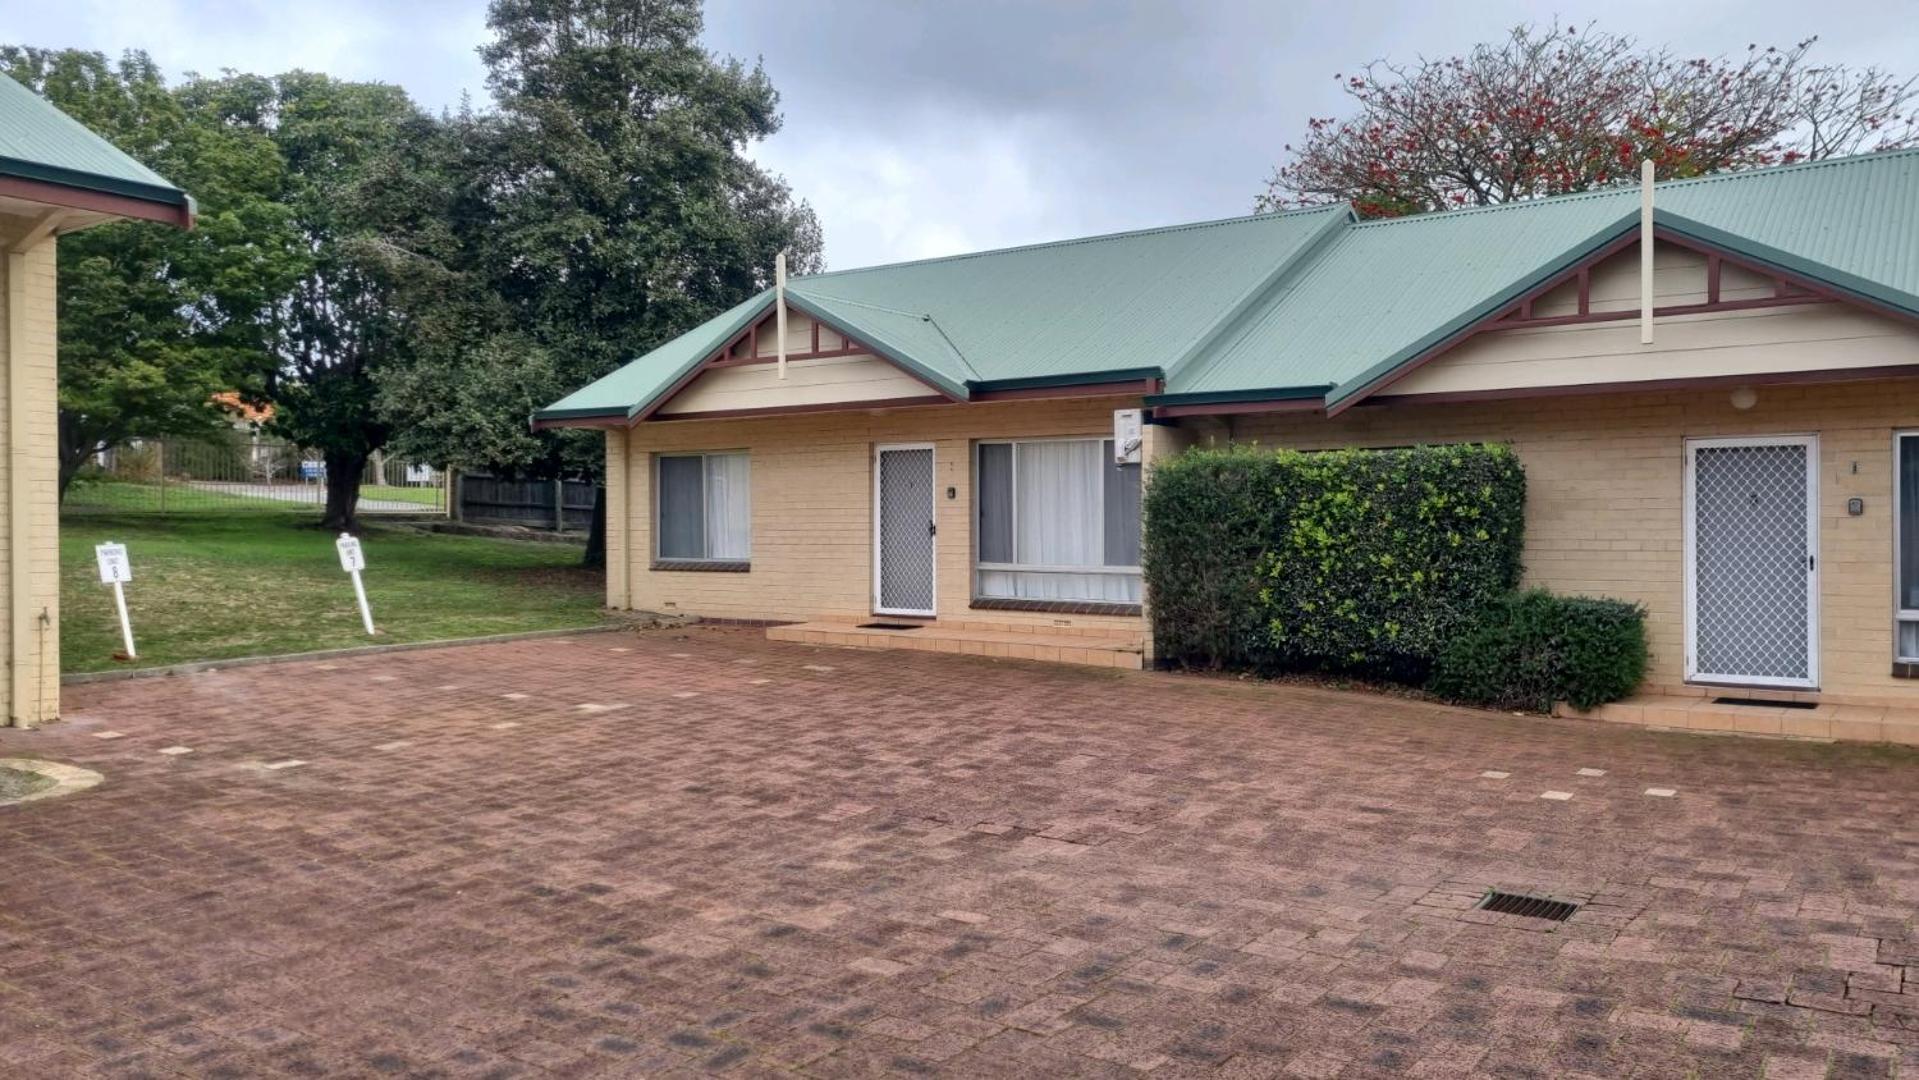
(1536,649)
(1210,517)
(1353,560)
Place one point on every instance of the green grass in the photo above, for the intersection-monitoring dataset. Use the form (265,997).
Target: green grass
(93,496)
(428,497)
(209,587)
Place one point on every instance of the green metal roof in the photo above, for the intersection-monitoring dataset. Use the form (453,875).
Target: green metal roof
(39,142)
(1310,303)
(1080,309)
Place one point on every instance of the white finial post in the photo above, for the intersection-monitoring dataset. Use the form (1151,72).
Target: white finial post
(1645,252)
(779,308)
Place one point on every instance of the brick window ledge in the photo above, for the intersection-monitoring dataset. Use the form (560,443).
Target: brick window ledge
(707,566)
(1057,607)
(1905,669)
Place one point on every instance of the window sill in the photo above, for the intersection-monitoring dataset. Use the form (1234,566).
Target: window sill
(1058,607)
(1905,669)
(705,566)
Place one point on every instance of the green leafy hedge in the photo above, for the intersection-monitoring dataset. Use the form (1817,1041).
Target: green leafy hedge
(1536,649)
(1351,560)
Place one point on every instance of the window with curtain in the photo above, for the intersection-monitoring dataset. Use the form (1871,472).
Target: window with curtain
(1907,557)
(705,512)
(1058,519)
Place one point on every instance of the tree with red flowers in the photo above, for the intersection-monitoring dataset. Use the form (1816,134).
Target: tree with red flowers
(1550,110)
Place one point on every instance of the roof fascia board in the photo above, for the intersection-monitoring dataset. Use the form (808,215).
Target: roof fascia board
(89,181)
(1284,273)
(886,350)
(1402,363)
(49,193)
(1089,378)
(1213,397)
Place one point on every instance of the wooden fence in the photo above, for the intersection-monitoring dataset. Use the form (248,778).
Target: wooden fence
(565,505)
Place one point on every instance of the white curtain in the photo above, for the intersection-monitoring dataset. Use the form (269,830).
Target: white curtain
(1059,499)
(729,510)
(1059,504)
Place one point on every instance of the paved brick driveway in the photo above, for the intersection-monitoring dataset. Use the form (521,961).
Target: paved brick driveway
(663,853)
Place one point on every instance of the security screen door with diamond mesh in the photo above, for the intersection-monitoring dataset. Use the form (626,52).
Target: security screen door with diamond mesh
(906,531)
(1752,543)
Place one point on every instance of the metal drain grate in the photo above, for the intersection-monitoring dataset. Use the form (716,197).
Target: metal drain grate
(889,626)
(1533,907)
(1762,703)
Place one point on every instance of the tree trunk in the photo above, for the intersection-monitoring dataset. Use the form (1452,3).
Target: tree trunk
(595,557)
(76,446)
(343,472)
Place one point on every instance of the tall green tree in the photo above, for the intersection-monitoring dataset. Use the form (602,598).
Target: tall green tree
(155,321)
(362,187)
(612,207)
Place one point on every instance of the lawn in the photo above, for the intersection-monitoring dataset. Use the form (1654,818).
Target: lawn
(428,497)
(212,586)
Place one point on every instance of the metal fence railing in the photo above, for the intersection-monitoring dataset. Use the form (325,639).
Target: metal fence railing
(242,473)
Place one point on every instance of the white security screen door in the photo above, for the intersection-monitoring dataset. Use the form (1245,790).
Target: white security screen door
(903,530)
(1752,572)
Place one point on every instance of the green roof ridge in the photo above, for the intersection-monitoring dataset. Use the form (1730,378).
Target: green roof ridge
(1632,185)
(1074,241)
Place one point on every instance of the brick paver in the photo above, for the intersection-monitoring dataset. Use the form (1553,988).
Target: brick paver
(849,863)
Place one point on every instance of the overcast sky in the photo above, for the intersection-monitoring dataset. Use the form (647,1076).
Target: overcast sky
(925,127)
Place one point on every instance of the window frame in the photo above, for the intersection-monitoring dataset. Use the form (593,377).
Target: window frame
(1013,506)
(1900,613)
(701,561)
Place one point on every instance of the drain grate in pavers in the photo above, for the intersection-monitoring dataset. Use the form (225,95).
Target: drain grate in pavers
(1533,907)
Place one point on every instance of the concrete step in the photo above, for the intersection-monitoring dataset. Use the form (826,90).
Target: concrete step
(1845,723)
(1090,650)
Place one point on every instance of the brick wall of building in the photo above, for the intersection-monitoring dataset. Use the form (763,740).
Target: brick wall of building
(28,300)
(1605,491)
(812,508)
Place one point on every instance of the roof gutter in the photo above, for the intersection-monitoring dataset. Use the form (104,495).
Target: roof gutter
(1274,399)
(78,190)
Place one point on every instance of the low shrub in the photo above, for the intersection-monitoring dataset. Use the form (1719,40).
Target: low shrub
(1536,648)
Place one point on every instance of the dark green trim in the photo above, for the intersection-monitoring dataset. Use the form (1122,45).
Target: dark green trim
(1218,397)
(1485,309)
(582,414)
(1089,378)
(86,181)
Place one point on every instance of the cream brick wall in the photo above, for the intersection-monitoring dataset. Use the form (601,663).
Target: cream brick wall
(29,301)
(812,499)
(1604,479)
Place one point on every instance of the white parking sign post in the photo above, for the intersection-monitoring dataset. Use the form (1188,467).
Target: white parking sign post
(116,570)
(353,560)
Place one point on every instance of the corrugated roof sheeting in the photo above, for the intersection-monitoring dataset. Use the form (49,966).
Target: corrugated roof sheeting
(1135,300)
(40,142)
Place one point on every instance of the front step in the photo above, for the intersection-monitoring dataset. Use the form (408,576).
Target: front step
(1088,650)
(1845,723)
